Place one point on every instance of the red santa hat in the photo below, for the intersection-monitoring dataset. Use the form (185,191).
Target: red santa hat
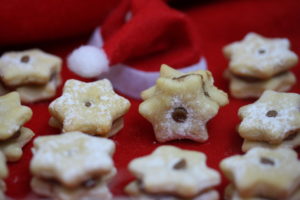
(133,42)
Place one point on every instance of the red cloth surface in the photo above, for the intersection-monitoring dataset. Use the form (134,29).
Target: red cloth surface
(218,23)
(30,21)
(154,31)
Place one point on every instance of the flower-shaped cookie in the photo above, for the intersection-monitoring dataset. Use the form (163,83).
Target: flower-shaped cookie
(28,67)
(271,173)
(170,170)
(273,117)
(72,158)
(256,56)
(179,107)
(12,115)
(88,107)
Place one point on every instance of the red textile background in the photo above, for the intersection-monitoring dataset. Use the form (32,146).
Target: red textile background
(218,23)
(30,21)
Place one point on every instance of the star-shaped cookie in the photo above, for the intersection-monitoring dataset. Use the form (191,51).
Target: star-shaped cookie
(170,170)
(272,118)
(12,115)
(180,106)
(277,171)
(28,67)
(260,57)
(88,107)
(72,158)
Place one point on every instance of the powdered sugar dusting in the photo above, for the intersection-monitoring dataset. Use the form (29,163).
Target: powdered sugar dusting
(285,117)
(71,156)
(256,54)
(89,103)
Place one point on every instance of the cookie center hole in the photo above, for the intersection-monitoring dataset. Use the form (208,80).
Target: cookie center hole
(267,161)
(272,113)
(261,51)
(25,59)
(179,114)
(88,104)
(181,164)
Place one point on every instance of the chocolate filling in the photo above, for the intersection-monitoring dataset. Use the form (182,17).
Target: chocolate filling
(181,164)
(290,137)
(25,59)
(261,51)
(272,113)
(267,161)
(90,183)
(179,114)
(87,104)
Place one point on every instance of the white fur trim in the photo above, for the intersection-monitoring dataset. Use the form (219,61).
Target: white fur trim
(88,61)
(132,82)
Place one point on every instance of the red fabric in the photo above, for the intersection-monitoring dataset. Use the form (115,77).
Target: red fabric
(30,21)
(155,34)
(218,23)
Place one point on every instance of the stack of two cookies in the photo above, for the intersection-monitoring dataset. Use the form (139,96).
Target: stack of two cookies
(172,173)
(272,121)
(257,64)
(34,74)
(72,166)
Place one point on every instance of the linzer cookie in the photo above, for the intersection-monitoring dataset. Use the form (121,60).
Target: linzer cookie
(28,67)
(92,108)
(179,105)
(13,136)
(257,56)
(272,118)
(172,173)
(257,63)
(72,166)
(33,73)
(263,172)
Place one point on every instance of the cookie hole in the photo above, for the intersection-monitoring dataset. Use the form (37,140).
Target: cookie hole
(272,113)
(267,161)
(179,114)
(87,104)
(181,164)
(25,59)
(262,51)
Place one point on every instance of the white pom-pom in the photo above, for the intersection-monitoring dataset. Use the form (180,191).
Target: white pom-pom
(88,61)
